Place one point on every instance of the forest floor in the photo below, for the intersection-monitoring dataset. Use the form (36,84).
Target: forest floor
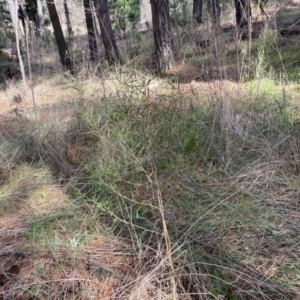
(125,185)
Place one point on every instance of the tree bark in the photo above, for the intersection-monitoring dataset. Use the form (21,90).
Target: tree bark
(40,18)
(69,24)
(197,11)
(13,8)
(25,19)
(216,15)
(162,34)
(59,37)
(90,29)
(242,13)
(110,46)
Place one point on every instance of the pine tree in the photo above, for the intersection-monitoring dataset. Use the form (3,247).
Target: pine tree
(242,13)
(90,29)
(59,37)
(110,46)
(197,11)
(162,34)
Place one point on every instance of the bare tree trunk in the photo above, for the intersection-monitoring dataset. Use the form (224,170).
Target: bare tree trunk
(28,33)
(40,24)
(25,20)
(91,29)
(216,15)
(242,13)
(59,37)
(197,11)
(162,34)
(110,46)
(13,8)
(69,24)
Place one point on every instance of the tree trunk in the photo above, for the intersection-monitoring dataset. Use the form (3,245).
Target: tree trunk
(216,15)
(242,13)
(40,18)
(110,46)
(69,25)
(162,34)
(197,11)
(25,19)
(91,30)
(59,37)
(13,8)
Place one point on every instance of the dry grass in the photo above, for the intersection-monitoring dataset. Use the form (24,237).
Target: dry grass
(43,257)
(56,246)
(129,186)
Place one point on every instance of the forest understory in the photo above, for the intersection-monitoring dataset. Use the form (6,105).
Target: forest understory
(119,183)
